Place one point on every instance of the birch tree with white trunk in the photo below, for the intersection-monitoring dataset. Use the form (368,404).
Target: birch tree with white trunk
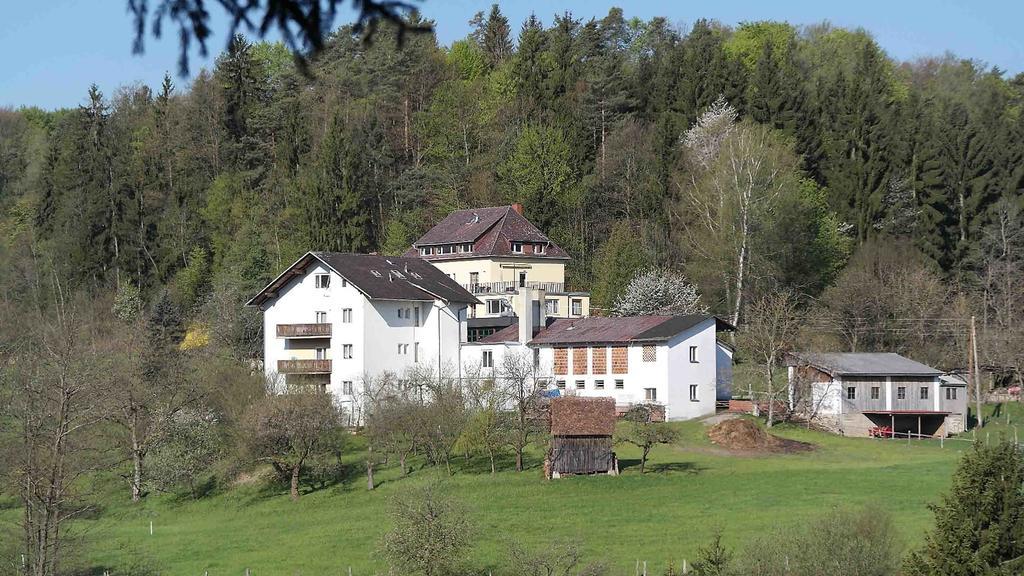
(738,172)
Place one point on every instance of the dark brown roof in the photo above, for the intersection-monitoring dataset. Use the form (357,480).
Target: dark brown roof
(610,330)
(580,416)
(491,230)
(510,333)
(378,277)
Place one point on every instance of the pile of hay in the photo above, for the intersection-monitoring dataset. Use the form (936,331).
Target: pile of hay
(745,435)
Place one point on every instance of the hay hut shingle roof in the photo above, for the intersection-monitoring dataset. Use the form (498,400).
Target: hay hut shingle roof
(578,416)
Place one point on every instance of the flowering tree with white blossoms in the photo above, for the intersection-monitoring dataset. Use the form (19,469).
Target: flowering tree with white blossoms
(659,291)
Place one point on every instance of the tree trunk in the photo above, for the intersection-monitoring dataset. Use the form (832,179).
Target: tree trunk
(369,468)
(519,459)
(295,482)
(136,460)
(490,453)
(643,459)
(771,394)
(401,464)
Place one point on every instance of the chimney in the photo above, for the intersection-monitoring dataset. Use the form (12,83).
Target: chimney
(524,310)
(518,208)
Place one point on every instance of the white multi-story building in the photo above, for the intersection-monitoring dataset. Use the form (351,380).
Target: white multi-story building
(668,360)
(494,252)
(332,320)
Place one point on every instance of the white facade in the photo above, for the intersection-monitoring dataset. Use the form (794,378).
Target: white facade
(686,385)
(367,336)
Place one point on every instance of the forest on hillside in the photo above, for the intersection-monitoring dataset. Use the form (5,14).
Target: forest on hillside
(885,196)
(794,180)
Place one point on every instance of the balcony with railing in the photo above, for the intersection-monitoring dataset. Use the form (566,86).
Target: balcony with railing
(304,366)
(512,286)
(322,330)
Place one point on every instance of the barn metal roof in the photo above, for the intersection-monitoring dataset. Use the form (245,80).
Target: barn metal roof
(864,364)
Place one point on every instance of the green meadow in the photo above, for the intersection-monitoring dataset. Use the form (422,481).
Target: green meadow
(691,490)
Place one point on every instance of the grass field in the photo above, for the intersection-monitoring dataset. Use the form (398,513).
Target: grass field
(690,490)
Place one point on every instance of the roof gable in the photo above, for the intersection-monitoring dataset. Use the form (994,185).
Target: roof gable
(377,277)
(492,231)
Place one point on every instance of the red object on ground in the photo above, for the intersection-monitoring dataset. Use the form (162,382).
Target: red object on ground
(880,432)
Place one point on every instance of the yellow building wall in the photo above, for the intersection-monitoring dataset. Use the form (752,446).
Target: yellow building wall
(503,269)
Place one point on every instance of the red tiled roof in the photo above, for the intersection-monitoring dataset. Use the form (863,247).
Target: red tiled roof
(491,230)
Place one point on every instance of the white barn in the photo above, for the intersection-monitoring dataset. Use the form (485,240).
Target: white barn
(669,360)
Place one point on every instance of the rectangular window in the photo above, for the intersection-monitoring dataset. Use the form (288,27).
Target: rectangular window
(346,315)
(408,313)
(851,392)
(323,281)
(551,307)
(619,384)
(321,317)
(517,247)
(693,354)
(399,312)
(577,307)
(560,384)
(321,353)
(399,348)
(599,384)
(651,394)
(580,384)
(693,393)
(650,353)
(488,360)
(415,351)
(539,248)
(924,392)
(474,278)
(346,387)
(875,390)
(346,351)
(416,318)
(901,393)
(467,247)
(950,393)
(494,306)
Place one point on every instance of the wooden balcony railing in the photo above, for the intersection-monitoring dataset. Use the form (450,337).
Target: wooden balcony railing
(304,366)
(303,330)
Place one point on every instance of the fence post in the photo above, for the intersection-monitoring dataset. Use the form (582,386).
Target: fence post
(150,527)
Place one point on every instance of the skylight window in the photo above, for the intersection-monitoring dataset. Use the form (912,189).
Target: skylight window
(375,273)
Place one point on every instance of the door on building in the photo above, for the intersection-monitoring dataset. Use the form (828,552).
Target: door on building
(522,279)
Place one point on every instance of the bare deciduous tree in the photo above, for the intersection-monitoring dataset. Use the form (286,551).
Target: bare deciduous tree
(430,533)
(58,374)
(288,429)
(644,431)
(773,321)
(517,379)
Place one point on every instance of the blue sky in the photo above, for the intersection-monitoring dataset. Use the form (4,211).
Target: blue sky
(53,49)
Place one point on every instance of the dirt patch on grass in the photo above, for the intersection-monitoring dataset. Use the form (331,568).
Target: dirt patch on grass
(745,435)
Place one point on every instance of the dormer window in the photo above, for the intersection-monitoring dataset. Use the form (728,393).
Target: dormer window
(424,251)
(517,247)
(322,281)
(539,248)
(467,247)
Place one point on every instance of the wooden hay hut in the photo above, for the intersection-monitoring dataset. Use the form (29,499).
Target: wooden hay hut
(581,436)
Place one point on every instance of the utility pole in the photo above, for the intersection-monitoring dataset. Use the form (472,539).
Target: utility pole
(974,372)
